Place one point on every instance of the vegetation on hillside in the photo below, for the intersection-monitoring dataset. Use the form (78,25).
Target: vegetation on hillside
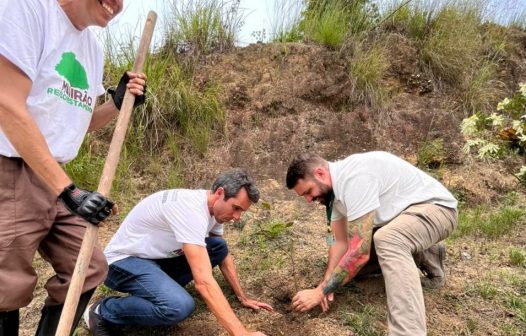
(460,51)
(456,44)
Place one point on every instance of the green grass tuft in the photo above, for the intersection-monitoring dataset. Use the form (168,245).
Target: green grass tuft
(450,52)
(203,26)
(431,154)
(490,223)
(363,321)
(327,23)
(368,65)
(86,169)
(517,256)
(487,290)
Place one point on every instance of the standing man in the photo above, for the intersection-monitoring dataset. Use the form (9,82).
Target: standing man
(410,212)
(166,240)
(51,67)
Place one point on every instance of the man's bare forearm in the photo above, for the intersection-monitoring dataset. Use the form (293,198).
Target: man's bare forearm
(357,253)
(102,115)
(336,252)
(219,306)
(22,131)
(228,269)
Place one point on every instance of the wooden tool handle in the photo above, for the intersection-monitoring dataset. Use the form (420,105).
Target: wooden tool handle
(108,173)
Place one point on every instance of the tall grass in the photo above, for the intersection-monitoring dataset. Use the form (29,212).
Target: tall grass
(203,26)
(448,51)
(457,46)
(285,22)
(368,65)
(176,115)
(327,23)
(481,89)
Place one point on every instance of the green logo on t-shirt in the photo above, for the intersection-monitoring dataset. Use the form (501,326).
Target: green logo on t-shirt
(74,90)
(71,69)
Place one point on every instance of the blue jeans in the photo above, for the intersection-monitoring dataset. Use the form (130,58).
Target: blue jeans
(156,288)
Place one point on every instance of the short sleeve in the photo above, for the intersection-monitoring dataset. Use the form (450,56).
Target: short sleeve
(361,195)
(22,34)
(189,228)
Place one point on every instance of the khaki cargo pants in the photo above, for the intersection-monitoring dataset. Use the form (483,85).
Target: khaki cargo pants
(32,219)
(416,229)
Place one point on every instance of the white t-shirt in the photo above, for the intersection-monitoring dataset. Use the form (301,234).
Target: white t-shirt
(65,66)
(157,226)
(382,182)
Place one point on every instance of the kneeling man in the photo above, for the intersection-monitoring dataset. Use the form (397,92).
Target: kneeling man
(168,239)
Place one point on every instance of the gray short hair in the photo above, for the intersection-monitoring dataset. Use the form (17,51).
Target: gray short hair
(233,180)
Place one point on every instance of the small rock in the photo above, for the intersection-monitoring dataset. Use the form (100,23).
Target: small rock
(465,255)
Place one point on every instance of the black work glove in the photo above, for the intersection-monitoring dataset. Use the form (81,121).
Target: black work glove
(118,94)
(92,206)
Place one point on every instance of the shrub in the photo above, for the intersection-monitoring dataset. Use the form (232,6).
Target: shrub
(502,131)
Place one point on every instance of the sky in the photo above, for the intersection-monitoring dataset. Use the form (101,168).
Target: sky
(258,14)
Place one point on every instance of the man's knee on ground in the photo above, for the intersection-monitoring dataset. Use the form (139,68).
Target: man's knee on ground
(176,309)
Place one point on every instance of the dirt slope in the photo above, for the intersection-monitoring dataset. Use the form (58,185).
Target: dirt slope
(282,99)
(285,98)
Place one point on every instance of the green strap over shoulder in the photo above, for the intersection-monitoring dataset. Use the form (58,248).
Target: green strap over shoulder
(329,202)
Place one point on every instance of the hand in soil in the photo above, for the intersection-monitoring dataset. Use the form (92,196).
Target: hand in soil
(256,305)
(307,299)
(326,301)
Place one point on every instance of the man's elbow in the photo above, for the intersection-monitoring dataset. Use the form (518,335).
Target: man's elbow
(203,283)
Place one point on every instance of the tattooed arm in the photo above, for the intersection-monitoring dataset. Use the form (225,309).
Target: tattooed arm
(347,256)
(357,255)
(338,249)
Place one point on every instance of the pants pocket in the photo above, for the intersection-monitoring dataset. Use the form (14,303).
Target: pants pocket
(8,227)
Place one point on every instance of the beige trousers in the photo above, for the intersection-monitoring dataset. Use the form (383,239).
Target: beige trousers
(416,229)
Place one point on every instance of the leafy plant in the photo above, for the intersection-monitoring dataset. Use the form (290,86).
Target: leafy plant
(490,136)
